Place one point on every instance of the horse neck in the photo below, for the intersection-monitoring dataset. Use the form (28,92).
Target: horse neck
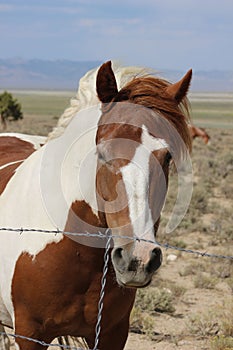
(78,171)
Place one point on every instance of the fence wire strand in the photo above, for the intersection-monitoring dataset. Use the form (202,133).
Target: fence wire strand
(40,341)
(103,236)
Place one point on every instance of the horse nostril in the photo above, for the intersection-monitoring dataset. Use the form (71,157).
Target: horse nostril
(117,253)
(155,260)
(118,259)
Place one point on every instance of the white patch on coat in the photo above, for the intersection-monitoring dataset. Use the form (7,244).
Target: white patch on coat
(22,204)
(135,176)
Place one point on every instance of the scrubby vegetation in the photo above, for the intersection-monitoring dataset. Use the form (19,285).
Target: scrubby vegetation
(203,282)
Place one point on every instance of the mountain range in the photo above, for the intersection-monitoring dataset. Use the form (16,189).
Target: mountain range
(17,73)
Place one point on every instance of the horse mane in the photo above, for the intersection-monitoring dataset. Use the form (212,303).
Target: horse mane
(150,92)
(86,95)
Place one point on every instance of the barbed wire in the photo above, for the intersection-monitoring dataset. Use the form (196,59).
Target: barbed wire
(103,236)
(41,342)
(102,293)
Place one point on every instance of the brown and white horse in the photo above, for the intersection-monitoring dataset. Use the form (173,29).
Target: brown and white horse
(50,284)
(199,132)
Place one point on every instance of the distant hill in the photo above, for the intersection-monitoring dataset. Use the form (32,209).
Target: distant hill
(41,74)
(64,75)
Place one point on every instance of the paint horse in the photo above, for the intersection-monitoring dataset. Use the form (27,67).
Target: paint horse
(49,283)
(199,132)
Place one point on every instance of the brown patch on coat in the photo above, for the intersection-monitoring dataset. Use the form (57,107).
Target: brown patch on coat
(12,149)
(57,293)
(81,218)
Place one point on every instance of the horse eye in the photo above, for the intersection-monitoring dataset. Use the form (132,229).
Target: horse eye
(101,157)
(168,158)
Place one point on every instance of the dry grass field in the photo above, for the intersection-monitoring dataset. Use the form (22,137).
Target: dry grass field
(189,306)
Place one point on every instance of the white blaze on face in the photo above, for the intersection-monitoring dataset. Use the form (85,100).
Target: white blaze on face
(135,176)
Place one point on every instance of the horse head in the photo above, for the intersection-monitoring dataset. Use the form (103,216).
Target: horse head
(135,145)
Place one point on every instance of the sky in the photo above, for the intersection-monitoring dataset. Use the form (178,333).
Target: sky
(163,34)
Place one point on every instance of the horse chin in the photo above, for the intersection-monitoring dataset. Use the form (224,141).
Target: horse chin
(133,282)
(134,286)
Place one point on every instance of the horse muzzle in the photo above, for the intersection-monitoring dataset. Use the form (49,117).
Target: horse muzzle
(131,272)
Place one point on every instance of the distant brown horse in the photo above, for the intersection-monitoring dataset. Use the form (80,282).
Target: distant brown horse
(50,284)
(199,132)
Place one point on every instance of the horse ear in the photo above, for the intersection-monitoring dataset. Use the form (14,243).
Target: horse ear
(179,90)
(106,85)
